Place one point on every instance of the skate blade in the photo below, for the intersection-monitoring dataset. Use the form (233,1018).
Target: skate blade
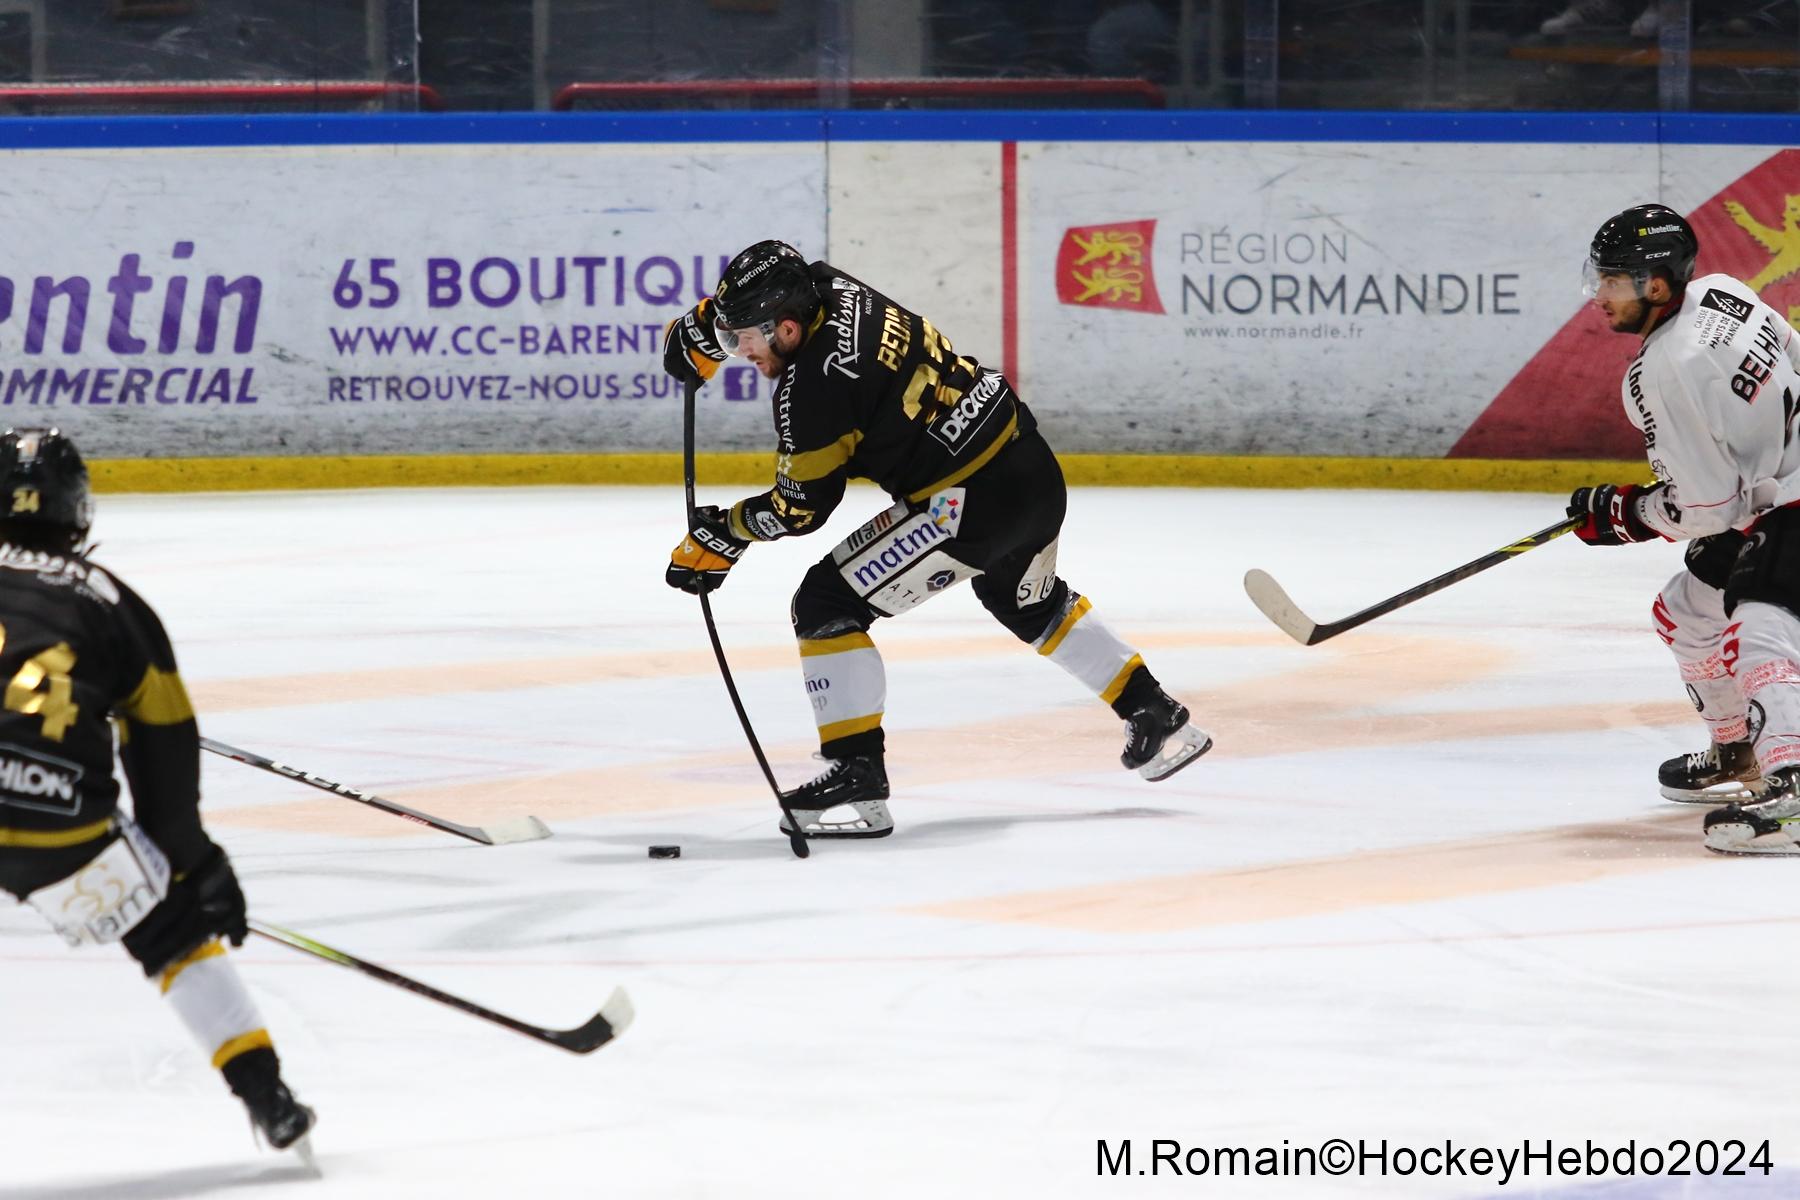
(1721,793)
(1183,747)
(830,832)
(1742,839)
(303,1150)
(871,821)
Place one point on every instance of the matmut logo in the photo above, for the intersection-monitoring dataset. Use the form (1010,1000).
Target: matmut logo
(1108,266)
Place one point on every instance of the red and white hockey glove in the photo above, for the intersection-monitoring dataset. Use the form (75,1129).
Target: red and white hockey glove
(1614,516)
(709,550)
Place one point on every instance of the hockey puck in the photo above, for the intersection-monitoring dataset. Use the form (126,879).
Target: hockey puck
(665,852)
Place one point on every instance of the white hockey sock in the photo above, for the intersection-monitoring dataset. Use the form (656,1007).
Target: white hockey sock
(1717,697)
(1689,616)
(1082,645)
(846,683)
(1768,670)
(210,999)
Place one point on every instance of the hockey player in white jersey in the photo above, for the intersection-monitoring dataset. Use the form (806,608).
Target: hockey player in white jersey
(1713,390)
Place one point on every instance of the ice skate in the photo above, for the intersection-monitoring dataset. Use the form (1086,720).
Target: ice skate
(279,1119)
(1771,825)
(1719,774)
(852,792)
(282,1121)
(1160,740)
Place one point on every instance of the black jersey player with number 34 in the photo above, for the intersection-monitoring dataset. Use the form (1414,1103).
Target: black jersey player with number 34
(78,648)
(865,388)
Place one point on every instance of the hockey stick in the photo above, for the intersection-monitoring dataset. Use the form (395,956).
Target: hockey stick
(612,1019)
(517,829)
(1276,605)
(796,838)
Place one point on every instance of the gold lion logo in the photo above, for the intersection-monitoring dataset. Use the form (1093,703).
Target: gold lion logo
(1783,243)
(1113,245)
(1112,284)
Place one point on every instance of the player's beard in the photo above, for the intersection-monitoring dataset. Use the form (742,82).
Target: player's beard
(1631,317)
(772,362)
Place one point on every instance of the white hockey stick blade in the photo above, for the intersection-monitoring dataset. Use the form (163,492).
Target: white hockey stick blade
(618,1011)
(614,1017)
(519,829)
(1269,596)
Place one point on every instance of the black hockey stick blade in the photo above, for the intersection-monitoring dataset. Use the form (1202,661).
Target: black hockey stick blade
(515,829)
(1280,608)
(612,1019)
(796,836)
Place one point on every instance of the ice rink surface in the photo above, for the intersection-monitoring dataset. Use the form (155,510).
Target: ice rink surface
(1422,890)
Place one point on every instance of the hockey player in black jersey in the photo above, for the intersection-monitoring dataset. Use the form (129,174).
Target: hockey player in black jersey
(867,389)
(77,649)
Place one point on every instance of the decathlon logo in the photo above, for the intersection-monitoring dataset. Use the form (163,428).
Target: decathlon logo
(39,782)
(968,413)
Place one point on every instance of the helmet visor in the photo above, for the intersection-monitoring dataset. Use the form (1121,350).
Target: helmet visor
(742,343)
(1609,283)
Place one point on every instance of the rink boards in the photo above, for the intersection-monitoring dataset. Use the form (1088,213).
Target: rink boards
(1244,298)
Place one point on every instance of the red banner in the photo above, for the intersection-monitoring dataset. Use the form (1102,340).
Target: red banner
(1108,266)
(1565,402)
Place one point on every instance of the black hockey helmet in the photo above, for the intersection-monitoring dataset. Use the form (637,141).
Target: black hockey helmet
(44,496)
(1644,240)
(767,283)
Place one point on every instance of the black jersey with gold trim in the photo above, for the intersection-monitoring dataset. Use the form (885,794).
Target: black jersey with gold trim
(77,649)
(877,393)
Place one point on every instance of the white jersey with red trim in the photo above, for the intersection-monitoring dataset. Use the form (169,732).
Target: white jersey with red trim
(1714,392)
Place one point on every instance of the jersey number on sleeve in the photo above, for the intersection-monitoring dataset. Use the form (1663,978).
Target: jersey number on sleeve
(42,687)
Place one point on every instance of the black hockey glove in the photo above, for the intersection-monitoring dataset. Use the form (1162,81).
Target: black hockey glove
(216,894)
(708,551)
(1710,559)
(1612,513)
(690,348)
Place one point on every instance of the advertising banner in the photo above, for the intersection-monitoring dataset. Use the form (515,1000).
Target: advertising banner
(1304,299)
(1564,402)
(298,300)
(1194,296)
(1383,299)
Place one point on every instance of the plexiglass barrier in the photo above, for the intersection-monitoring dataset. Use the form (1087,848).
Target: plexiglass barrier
(1480,55)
